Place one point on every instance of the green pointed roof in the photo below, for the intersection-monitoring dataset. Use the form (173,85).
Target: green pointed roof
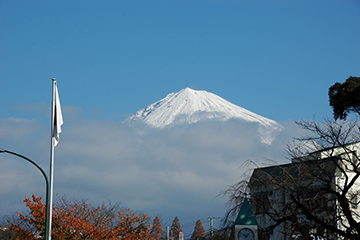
(246,215)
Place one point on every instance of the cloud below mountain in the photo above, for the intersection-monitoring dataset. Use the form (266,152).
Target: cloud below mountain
(177,171)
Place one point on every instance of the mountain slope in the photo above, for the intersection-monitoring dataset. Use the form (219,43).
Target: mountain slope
(190,106)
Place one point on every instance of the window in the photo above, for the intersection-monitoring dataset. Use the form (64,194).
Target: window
(261,203)
(354,201)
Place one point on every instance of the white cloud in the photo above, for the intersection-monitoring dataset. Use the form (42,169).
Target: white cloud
(172,172)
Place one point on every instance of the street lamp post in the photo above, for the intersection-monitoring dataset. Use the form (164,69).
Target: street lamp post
(47,186)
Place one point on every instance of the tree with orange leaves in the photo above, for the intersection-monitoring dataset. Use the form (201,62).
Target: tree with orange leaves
(175,228)
(79,220)
(199,231)
(156,229)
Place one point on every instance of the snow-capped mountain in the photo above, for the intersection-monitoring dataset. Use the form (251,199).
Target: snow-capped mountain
(190,106)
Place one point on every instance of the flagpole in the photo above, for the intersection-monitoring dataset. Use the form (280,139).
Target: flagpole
(51,190)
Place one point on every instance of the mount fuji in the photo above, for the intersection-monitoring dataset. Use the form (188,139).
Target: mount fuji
(190,106)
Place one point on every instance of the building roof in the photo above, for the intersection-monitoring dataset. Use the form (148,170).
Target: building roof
(328,152)
(246,215)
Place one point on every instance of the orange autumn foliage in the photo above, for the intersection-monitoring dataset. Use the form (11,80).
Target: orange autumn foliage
(78,220)
(175,229)
(156,229)
(199,231)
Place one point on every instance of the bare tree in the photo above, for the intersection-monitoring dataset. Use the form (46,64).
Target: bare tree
(316,195)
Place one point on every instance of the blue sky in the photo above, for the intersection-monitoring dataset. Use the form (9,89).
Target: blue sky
(112,58)
(275,58)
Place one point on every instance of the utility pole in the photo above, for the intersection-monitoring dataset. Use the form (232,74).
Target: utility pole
(212,225)
(181,236)
(167,233)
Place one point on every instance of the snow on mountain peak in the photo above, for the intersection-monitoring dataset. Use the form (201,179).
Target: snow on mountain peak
(190,106)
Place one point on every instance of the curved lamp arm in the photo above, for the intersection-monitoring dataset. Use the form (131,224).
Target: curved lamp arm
(46,180)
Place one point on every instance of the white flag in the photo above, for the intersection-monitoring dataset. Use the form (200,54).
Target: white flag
(57,117)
